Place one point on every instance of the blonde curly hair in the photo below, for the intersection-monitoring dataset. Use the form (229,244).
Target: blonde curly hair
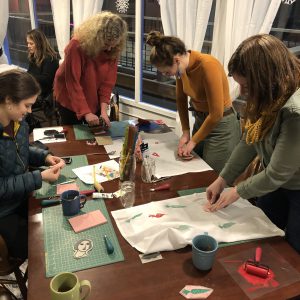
(95,32)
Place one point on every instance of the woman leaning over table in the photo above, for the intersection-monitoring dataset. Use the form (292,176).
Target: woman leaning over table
(18,92)
(269,77)
(84,81)
(216,130)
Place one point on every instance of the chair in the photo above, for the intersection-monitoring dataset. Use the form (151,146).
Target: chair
(8,266)
(45,112)
(114,107)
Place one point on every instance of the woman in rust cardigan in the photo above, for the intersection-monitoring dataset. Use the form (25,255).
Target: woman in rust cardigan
(85,79)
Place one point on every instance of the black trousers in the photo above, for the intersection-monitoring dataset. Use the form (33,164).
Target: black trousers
(67,117)
(14,230)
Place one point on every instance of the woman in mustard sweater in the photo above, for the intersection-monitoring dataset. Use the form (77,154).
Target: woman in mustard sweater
(202,78)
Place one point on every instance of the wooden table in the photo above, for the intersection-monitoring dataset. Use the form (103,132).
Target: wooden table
(159,280)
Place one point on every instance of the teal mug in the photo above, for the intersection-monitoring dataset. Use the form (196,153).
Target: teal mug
(204,248)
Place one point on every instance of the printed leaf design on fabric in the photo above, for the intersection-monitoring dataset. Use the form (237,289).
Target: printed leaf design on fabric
(158,215)
(134,217)
(183,227)
(226,225)
(175,206)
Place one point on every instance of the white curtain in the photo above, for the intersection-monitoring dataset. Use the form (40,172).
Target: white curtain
(186,19)
(84,9)
(3,27)
(235,20)
(61,19)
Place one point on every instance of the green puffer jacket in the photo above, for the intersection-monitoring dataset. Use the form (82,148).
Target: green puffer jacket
(15,157)
(278,152)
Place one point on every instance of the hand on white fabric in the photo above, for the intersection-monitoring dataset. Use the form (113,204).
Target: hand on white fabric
(226,198)
(188,148)
(105,117)
(183,141)
(52,160)
(51,174)
(92,119)
(214,191)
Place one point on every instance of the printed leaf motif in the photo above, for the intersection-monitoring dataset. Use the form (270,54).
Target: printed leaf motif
(175,206)
(158,215)
(226,225)
(183,227)
(196,291)
(134,217)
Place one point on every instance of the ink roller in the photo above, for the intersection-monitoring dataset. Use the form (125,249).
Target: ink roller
(255,267)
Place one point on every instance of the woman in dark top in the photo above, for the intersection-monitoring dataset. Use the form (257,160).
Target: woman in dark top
(43,60)
(18,92)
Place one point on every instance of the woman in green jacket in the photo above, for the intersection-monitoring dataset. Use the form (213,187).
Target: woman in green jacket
(269,78)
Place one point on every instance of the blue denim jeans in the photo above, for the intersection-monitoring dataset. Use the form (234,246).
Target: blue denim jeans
(283,208)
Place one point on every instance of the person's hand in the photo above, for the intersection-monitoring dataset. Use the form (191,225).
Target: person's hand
(52,160)
(214,191)
(51,174)
(92,119)
(183,141)
(226,198)
(105,117)
(188,148)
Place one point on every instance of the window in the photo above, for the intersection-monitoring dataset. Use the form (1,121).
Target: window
(286,25)
(18,25)
(147,87)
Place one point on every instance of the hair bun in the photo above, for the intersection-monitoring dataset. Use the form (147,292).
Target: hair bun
(154,38)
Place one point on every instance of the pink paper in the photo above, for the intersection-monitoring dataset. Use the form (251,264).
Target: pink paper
(88,220)
(60,188)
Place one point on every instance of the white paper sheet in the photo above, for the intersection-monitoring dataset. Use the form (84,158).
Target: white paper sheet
(163,147)
(86,173)
(38,133)
(171,224)
(116,146)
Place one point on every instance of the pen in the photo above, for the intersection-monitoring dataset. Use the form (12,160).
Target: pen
(68,181)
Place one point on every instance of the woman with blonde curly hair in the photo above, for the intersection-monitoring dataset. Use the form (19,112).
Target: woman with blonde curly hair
(269,77)
(84,81)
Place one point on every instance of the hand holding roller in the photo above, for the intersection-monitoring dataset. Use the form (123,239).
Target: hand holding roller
(255,267)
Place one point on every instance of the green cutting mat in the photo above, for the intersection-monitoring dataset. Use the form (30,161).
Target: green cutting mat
(49,189)
(59,239)
(202,190)
(82,132)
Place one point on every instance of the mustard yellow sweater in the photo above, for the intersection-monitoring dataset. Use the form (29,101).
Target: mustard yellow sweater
(206,83)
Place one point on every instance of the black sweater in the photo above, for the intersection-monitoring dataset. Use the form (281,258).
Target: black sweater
(44,74)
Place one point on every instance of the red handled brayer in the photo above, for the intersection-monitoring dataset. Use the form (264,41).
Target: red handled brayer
(255,267)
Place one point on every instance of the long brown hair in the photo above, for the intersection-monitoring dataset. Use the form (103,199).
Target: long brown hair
(164,48)
(17,86)
(103,27)
(43,48)
(272,74)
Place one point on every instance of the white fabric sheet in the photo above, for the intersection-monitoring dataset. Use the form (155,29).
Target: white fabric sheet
(171,224)
(167,163)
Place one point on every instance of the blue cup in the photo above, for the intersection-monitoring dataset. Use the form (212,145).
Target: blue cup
(71,202)
(204,248)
